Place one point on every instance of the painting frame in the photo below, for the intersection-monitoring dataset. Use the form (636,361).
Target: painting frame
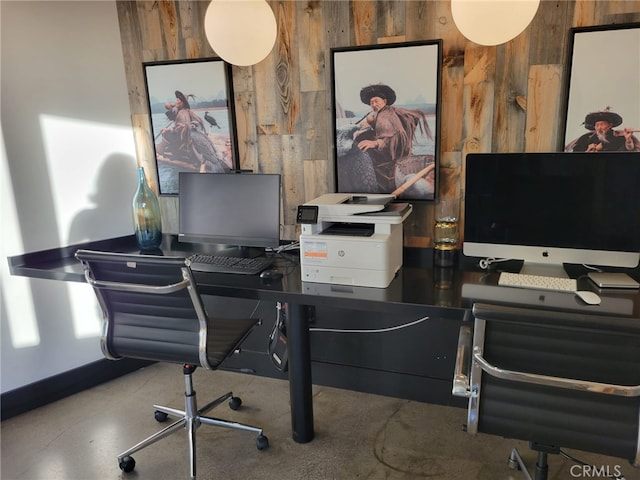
(376,153)
(604,92)
(192,117)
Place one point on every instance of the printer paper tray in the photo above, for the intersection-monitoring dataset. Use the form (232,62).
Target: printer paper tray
(351,229)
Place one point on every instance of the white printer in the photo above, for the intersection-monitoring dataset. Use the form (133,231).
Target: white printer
(351,239)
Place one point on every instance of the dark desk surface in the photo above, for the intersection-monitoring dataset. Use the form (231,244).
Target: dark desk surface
(447,294)
(418,283)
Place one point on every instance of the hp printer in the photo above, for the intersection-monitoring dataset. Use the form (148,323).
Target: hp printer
(351,239)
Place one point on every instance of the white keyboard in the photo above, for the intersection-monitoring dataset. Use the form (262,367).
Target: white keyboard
(537,282)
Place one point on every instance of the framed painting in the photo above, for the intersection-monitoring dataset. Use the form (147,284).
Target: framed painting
(192,118)
(386,117)
(602,111)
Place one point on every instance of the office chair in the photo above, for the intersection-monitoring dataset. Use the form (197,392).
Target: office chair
(152,311)
(554,379)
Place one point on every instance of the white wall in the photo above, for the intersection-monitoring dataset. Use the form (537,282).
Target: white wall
(67,172)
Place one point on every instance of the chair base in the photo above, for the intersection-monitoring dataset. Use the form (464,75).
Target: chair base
(190,418)
(542,467)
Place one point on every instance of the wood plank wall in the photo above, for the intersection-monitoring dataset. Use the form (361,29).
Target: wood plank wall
(507,98)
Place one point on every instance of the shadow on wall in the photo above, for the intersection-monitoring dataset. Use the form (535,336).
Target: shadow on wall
(115,185)
(61,320)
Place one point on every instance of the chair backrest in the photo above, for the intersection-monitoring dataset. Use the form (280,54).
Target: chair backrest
(152,310)
(556,378)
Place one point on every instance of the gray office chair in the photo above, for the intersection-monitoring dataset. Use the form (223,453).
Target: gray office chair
(554,379)
(152,311)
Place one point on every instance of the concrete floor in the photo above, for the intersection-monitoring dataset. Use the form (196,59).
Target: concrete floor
(358,436)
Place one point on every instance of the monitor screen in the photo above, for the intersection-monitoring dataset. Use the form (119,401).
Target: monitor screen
(236,209)
(553,208)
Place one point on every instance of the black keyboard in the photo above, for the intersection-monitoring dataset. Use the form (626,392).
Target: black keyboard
(224,264)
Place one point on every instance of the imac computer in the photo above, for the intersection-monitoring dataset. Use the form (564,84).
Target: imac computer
(550,209)
(235,210)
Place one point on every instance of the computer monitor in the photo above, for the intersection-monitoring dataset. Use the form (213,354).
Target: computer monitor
(230,209)
(550,209)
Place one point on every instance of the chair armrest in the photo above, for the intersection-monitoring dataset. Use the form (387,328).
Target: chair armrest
(135,287)
(463,365)
(568,383)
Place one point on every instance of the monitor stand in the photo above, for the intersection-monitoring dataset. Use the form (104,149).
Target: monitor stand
(200,245)
(544,269)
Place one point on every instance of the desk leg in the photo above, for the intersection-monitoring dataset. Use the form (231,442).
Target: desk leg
(299,351)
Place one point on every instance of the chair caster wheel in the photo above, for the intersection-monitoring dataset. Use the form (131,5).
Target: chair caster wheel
(234,403)
(160,416)
(262,442)
(127,464)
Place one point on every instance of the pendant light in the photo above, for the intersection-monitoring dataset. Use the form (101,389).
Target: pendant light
(493,22)
(241,32)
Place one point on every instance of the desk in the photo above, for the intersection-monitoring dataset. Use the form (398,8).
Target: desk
(443,293)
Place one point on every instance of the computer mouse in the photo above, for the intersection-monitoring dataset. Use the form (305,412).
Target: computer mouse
(271,275)
(588,297)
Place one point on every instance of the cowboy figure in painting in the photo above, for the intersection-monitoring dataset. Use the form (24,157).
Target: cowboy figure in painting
(387,133)
(602,137)
(179,112)
(186,140)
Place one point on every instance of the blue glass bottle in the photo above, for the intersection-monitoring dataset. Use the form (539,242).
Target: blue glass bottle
(146,215)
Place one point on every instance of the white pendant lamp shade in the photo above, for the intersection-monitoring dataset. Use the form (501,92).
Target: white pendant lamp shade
(241,32)
(492,22)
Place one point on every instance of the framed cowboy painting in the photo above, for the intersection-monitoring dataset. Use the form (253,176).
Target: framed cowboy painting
(603,90)
(386,119)
(192,118)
